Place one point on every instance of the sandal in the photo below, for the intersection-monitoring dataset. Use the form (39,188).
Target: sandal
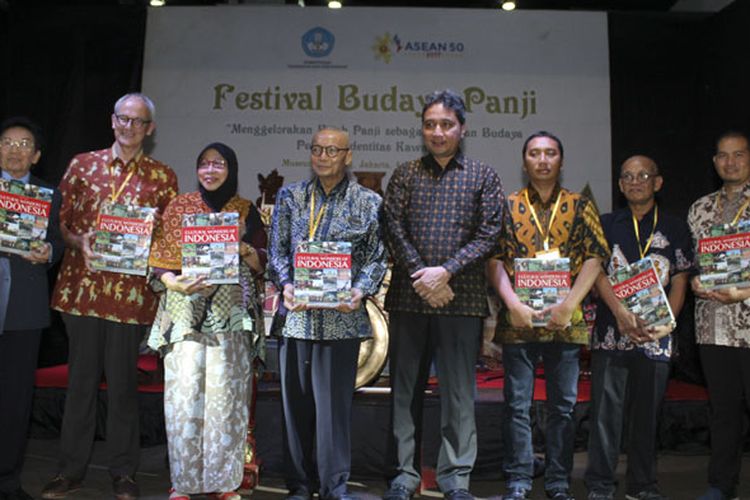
(174,495)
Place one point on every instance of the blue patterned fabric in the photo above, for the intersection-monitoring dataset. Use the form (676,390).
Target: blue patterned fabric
(352,214)
(672,253)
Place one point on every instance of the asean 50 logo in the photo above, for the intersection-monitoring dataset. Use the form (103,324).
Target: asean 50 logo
(387,46)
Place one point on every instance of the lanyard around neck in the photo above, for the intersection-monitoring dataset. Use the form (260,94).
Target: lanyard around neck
(545,234)
(315,219)
(115,195)
(643,251)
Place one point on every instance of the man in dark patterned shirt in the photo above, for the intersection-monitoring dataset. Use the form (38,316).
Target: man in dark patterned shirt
(629,362)
(444,216)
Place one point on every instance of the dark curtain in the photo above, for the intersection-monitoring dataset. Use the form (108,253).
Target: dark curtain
(64,67)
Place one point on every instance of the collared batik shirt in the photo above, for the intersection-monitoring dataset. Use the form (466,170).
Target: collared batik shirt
(671,251)
(450,217)
(575,231)
(86,185)
(352,213)
(716,323)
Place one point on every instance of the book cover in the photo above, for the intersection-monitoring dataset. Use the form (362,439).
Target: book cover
(123,238)
(211,247)
(639,289)
(541,283)
(724,257)
(24,216)
(323,273)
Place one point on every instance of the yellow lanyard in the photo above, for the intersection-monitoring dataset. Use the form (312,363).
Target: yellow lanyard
(740,211)
(545,235)
(315,220)
(116,193)
(641,250)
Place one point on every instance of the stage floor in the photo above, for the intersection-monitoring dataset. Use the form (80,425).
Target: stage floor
(683,426)
(682,477)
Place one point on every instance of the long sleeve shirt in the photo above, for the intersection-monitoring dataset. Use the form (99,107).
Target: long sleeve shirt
(352,213)
(450,217)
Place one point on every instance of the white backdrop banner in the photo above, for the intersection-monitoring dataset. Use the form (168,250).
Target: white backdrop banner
(264,79)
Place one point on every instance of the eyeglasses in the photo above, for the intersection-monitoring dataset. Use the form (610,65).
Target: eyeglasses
(22,144)
(216,164)
(126,120)
(639,177)
(331,151)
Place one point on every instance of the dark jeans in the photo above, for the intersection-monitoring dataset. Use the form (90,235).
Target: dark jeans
(99,346)
(317,387)
(626,385)
(727,372)
(18,356)
(561,377)
(454,343)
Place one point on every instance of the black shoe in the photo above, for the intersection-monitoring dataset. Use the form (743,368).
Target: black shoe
(59,487)
(125,488)
(459,494)
(559,495)
(397,492)
(19,494)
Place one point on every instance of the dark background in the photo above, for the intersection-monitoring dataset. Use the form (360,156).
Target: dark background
(677,80)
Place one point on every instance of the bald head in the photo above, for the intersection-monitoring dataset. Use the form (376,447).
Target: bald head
(342,135)
(639,182)
(645,164)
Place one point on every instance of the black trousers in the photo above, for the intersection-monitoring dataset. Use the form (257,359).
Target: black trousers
(727,373)
(96,347)
(317,388)
(630,387)
(18,358)
(454,342)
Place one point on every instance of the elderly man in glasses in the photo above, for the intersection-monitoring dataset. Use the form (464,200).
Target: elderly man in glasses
(105,313)
(320,346)
(630,362)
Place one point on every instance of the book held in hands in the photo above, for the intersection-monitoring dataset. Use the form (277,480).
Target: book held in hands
(24,216)
(639,289)
(724,257)
(211,247)
(541,283)
(323,273)
(123,238)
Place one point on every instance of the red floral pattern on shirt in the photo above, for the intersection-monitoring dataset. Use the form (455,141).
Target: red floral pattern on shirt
(85,186)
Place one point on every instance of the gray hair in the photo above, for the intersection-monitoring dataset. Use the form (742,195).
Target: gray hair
(143,97)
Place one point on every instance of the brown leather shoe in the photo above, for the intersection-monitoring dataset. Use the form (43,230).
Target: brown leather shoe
(125,488)
(59,487)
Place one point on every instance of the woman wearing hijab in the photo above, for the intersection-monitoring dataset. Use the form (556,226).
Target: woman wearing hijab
(209,336)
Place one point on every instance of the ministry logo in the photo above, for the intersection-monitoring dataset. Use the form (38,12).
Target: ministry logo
(318,42)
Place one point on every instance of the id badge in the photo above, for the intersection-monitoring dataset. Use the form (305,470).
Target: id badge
(552,253)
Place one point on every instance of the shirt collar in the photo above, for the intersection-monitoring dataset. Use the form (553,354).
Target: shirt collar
(458,161)
(337,189)
(626,213)
(25,179)
(116,158)
(535,199)
(744,192)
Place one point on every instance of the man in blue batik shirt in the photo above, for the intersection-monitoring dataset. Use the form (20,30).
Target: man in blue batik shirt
(319,348)
(627,357)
